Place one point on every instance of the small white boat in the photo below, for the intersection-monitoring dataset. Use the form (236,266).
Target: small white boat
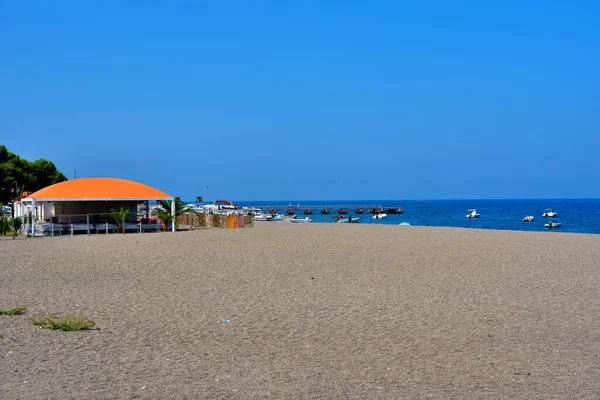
(263,217)
(473,213)
(552,225)
(277,217)
(528,218)
(300,220)
(379,216)
(548,213)
(349,220)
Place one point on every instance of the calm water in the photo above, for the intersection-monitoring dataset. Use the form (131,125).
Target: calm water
(582,216)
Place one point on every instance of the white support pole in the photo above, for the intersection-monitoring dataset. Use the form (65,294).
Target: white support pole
(173,214)
(33,216)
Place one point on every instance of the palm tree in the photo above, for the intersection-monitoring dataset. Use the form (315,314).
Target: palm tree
(119,216)
(164,213)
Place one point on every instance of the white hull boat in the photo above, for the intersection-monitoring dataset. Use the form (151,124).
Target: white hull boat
(528,218)
(379,216)
(552,225)
(548,213)
(263,217)
(300,220)
(349,220)
(473,214)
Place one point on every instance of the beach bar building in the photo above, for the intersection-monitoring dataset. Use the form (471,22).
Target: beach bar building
(84,200)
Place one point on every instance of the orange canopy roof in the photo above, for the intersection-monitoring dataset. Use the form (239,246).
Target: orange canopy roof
(98,189)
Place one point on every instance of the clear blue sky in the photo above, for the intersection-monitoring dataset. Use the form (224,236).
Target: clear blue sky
(311,99)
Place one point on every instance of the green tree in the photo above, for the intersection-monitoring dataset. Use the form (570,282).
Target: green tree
(199,199)
(18,175)
(119,216)
(164,213)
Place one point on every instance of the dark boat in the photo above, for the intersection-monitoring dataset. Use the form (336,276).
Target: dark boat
(325,211)
(343,211)
(273,211)
(374,210)
(290,211)
(394,211)
(360,211)
(307,212)
(338,216)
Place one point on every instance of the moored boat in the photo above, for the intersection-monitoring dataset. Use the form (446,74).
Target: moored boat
(307,212)
(528,218)
(343,211)
(552,225)
(548,213)
(473,213)
(325,211)
(290,211)
(360,211)
(379,216)
(349,220)
(394,211)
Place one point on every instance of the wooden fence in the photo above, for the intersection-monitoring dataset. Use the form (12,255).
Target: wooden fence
(193,221)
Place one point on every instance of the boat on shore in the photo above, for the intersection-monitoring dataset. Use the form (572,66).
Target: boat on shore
(300,220)
(262,217)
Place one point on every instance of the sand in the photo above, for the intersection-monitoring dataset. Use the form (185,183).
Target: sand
(315,311)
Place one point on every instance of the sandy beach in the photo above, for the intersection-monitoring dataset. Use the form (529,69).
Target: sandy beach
(331,311)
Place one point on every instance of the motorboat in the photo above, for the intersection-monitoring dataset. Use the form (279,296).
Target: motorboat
(300,220)
(325,211)
(360,211)
(473,213)
(394,211)
(343,211)
(263,217)
(379,216)
(375,210)
(307,212)
(337,216)
(552,225)
(277,217)
(349,220)
(528,218)
(548,213)
(290,212)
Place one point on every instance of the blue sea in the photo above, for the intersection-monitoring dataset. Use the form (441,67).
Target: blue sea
(575,215)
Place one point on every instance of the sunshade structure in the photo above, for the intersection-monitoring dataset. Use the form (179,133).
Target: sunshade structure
(95,195)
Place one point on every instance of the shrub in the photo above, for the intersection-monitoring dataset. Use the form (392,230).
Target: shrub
(63,324)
